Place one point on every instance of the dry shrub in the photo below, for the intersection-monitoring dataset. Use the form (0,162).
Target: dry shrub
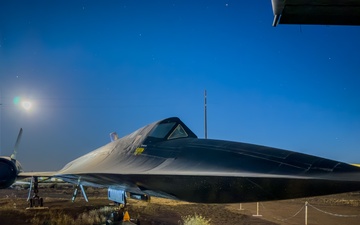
(91,217)
(53,218)
(150,209)
(96,216)
(334,201)
(195,220)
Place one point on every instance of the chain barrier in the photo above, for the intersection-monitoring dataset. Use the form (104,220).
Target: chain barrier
(331,214)
(308,204)
(285,219)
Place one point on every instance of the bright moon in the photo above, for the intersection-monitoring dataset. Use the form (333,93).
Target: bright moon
(26,105)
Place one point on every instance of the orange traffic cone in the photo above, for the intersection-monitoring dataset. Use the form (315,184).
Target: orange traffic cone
(126,217)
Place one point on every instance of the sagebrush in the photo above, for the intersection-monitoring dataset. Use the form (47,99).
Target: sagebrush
(195,220)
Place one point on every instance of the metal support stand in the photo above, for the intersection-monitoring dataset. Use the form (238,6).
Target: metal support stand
(82,191)
(257,210)
(306,213)
(240,207)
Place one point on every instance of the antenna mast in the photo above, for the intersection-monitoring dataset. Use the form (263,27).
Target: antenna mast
(205,115)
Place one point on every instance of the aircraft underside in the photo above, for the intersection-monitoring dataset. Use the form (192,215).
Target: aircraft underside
(220,189)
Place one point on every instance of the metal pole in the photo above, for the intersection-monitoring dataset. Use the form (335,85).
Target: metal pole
(306,213)
(241,208)
(257,210)
(205,115)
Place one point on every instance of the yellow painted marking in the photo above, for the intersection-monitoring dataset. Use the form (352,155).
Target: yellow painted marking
(138,151)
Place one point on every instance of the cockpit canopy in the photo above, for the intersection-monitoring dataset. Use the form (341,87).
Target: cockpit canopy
(169,129)
(163,130)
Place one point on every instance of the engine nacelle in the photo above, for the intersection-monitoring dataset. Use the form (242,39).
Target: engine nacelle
(9,170)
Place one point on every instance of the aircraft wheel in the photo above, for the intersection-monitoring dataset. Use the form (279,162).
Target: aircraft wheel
(36,202)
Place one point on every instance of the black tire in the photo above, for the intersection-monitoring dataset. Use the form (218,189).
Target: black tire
(36,202)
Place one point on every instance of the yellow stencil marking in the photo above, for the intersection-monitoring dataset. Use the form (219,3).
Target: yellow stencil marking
(138,151)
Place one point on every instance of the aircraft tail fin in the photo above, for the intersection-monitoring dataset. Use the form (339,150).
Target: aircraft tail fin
(13,156)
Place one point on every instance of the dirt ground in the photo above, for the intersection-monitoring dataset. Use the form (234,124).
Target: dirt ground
(330,210)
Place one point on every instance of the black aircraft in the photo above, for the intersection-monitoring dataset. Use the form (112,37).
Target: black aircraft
(166,159)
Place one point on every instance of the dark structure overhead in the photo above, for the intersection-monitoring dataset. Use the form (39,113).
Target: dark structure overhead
(317,12)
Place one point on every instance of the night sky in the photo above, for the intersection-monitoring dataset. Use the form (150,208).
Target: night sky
(94,67)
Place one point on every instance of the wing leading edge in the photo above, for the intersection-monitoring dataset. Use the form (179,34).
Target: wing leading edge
(320,12)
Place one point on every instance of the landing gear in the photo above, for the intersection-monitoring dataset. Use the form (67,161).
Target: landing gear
(35,201)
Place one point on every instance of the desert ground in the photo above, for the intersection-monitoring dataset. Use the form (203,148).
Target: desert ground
(332,209)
